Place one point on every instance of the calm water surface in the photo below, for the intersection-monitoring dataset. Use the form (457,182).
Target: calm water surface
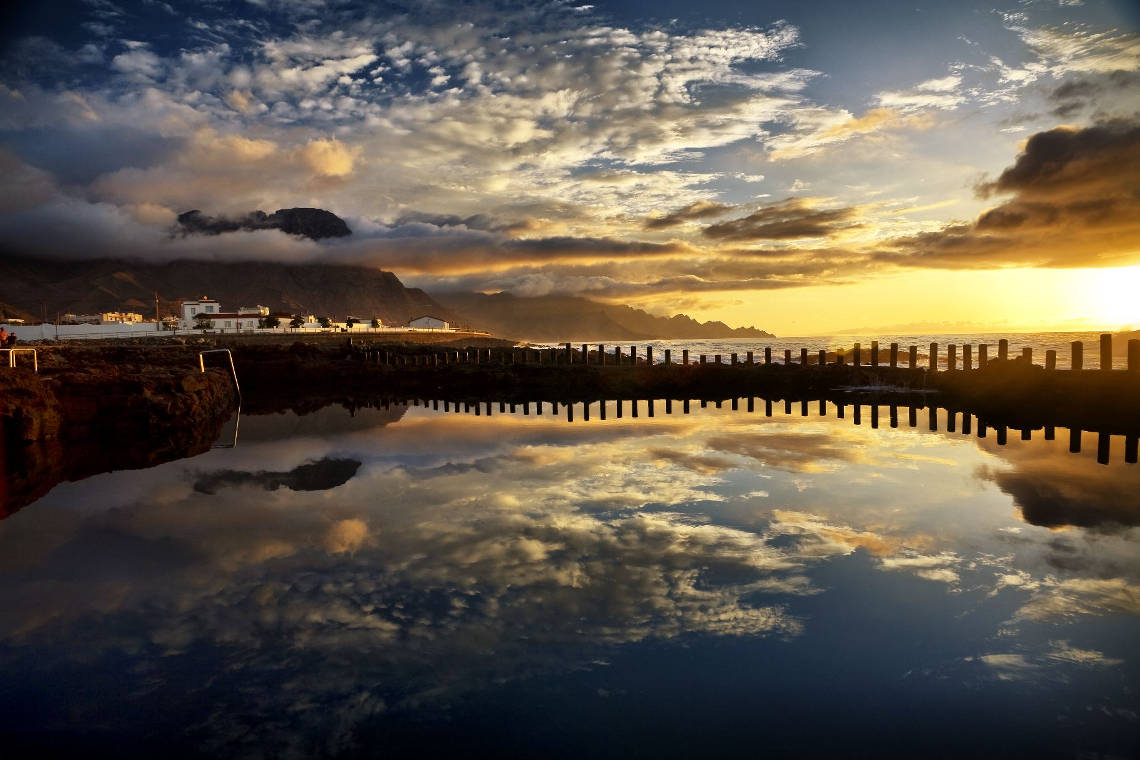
(413,582)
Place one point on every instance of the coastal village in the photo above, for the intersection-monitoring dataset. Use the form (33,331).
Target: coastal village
(206,315)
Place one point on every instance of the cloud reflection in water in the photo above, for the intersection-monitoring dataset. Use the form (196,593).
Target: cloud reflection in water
(463,552)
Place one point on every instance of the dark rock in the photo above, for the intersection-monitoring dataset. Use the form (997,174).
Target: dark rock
(312,223)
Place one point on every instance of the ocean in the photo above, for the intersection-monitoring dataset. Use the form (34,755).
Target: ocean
(1039,342)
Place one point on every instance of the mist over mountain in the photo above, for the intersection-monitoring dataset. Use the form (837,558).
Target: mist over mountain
(557,318)
(31,287)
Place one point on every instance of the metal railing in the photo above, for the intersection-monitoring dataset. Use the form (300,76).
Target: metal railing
(233,371)
(12,352)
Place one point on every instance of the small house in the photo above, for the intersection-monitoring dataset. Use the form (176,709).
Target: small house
(427,322)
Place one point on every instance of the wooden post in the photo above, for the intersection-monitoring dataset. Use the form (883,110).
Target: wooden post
(951,357)
(716,358)
(840,358)
(601,355)
(912,416)
(857,355)
(913,357)
(804,408)
(1050,360)
(894,355)
(750,357)
(668,356)
(1002,433)
(857,413)
(633,355)
(966,423)
(1130,446)
(822,408)
(1106,351)
(1003,350)
(933,357)
(967,357)
(787,356)
(874,416)
(617,355)
(767,354)
(1077,350)
(803,357)
(822,356)
(894,416)
(649,355)
(839,410)
(732,359)
(983,355)
(932,418)
(1027,355)
(1134,355)
(585,354)
(685,357)
(875,354)
(751,404)
(787,406)
(1074,440)
(703,358)
(951,421)
(668,406)
(767,408)
(735,404)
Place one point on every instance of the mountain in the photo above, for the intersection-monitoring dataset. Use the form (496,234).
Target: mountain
(560,318)
(29,287)
(313,223)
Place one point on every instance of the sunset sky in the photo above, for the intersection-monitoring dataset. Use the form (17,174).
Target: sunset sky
(804,167)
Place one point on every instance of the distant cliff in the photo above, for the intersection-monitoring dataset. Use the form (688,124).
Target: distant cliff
(313,223)
(31,287)
(556,318)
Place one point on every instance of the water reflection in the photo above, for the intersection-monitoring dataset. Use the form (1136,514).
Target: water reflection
(338,579)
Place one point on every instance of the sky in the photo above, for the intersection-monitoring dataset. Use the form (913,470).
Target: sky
(804,167)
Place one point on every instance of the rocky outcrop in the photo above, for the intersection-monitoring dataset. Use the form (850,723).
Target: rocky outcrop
(560,318)
(312,223)
(87,414)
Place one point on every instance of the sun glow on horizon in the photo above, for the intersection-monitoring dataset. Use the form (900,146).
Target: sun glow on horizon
(1111,295)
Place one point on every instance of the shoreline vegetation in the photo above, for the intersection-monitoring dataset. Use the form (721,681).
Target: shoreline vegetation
(129,404)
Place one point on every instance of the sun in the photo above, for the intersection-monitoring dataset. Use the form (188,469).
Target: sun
(1112,296)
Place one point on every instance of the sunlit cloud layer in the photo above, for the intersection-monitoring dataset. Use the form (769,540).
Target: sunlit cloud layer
(544,147)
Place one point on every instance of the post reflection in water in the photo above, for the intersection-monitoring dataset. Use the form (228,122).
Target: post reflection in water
(402,577)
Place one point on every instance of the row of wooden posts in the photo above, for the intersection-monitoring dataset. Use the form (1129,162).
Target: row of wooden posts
(1131,442)
(567,355)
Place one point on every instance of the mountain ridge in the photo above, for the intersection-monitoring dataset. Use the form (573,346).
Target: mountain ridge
(31,287)
(558,318)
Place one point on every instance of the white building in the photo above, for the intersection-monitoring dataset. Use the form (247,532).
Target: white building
(428,323)
(245,318)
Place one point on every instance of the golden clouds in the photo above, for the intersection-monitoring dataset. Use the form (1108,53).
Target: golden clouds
(329,157)
(1075,203)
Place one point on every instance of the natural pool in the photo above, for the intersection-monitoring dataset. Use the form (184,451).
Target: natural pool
(410,581)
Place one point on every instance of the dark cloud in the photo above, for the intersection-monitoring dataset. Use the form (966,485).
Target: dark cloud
(1076,202)
(1074,95)
(81,155)
(474,222)
(697,210)
(786,220)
